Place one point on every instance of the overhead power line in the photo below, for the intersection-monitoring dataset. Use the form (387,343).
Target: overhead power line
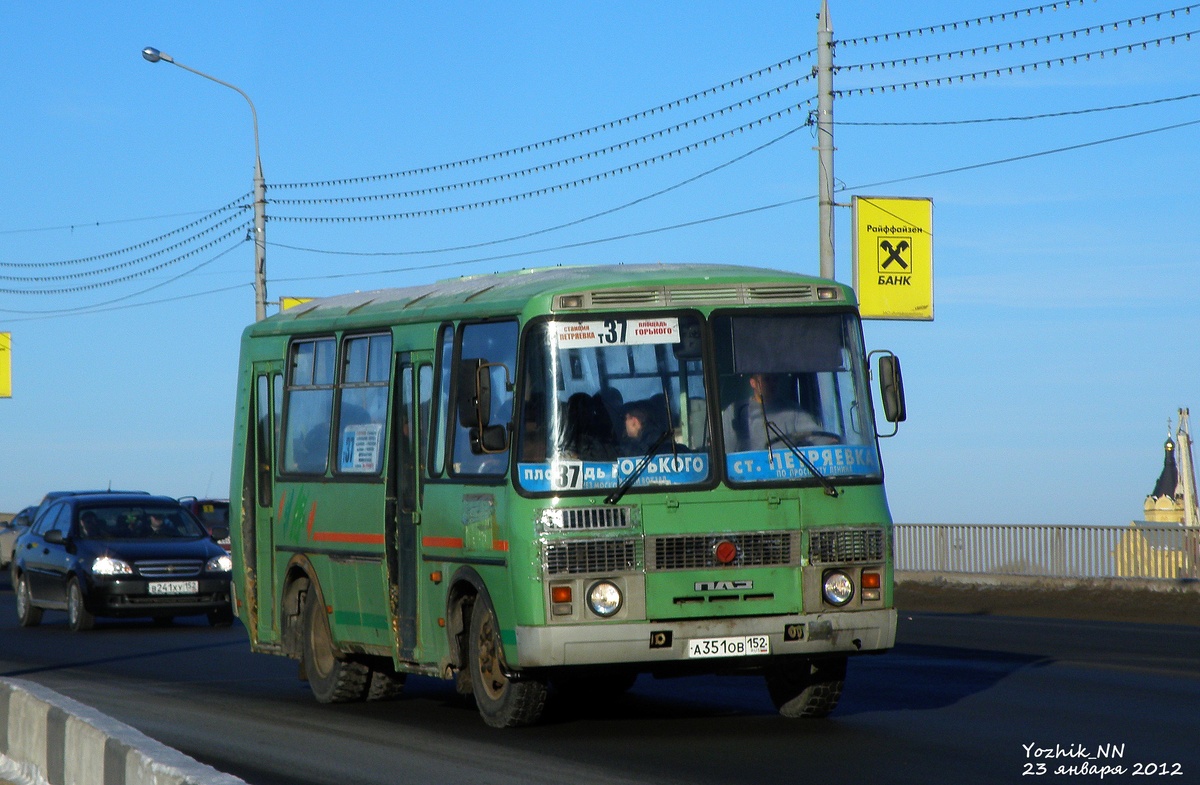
(547,189)
(573,135)
(1010,45)
(1043,116)
(1013,69)
(736,214)
(964,23)
(138,274)
(548,229)
(138,246)
(554,164)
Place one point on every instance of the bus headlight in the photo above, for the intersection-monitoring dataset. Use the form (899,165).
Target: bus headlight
(837,588)
(604,598)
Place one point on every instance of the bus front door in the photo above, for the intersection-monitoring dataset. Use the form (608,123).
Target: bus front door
(268,402)
(414,390)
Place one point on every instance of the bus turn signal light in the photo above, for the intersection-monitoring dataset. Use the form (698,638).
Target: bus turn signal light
(870,585)
(560,593)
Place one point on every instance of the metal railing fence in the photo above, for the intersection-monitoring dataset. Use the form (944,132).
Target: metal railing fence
(1165,551)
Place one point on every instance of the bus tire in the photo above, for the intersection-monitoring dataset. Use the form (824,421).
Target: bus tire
(502,702)
(808,689)
(27,613)
(331,678)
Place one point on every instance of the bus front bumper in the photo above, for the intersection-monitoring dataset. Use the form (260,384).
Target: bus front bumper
(654,642)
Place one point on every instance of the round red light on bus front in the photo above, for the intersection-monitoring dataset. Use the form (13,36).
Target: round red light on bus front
(725,552)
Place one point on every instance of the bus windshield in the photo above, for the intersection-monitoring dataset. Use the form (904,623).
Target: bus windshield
(793,387)
(604,397)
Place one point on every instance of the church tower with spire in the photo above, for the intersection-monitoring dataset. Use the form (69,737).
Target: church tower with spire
(1165,503)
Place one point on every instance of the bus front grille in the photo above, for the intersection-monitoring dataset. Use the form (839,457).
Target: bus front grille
(845,546)
(698,551)
(585,518)
(583,557)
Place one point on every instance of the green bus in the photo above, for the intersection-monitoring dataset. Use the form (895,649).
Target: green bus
(555,480)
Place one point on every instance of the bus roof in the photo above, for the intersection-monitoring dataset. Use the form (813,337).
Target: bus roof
(511,292)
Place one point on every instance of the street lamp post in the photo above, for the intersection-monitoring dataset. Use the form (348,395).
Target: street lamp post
(260,189)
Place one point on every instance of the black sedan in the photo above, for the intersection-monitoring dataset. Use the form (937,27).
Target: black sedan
(120,555)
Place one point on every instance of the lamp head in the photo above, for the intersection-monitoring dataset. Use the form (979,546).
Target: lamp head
(153,55)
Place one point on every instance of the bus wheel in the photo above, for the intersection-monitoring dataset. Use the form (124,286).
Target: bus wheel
(807,689)
(27,613)
(331,679)
(503,703)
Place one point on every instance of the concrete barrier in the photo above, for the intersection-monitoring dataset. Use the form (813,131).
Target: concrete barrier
(1126,600)
(50,739)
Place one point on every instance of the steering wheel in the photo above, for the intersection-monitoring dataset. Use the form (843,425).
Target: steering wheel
(810,438)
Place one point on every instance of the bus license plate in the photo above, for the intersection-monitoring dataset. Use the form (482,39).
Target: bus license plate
(174,587)
(739,646)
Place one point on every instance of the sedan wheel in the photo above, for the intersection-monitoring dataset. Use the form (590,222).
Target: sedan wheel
(28,615)
(78,616)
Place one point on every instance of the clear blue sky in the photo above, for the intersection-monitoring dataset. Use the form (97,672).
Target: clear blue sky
(1067,322)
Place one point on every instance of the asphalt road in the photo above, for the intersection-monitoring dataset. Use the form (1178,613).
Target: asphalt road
(964,699)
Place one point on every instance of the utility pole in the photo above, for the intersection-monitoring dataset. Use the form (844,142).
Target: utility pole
(825,138)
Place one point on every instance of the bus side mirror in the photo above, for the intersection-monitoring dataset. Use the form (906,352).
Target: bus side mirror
(474,394)
(891,388)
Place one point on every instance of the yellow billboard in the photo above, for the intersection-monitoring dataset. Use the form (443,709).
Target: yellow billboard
(5,365)
(893,257)
(292,302)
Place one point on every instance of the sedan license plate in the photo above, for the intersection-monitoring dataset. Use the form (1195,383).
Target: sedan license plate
(174,587)
(739,646)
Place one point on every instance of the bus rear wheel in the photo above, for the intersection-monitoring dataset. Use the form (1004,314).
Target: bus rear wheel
(502,702)
(809,689)
(331,679)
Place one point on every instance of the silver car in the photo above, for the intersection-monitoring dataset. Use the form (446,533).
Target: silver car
(9,530)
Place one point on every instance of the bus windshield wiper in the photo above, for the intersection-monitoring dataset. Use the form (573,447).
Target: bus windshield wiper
(830,490)
(624,487)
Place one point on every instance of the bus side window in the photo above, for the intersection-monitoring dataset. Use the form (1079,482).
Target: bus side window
(495,343)
(309,406)
(444,407)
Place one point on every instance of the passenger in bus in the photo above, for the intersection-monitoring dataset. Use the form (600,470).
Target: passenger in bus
(637,437)
(587,432)
(745,422)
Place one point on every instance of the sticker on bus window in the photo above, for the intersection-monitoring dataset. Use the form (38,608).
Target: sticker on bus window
(616,332)
(360,448)
(782,464)
(682,469)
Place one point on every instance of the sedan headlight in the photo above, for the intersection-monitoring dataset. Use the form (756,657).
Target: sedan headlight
(220,563)
(838,588)
(604,598)
(107,565)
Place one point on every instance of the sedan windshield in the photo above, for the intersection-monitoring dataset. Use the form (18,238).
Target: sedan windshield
(137,522)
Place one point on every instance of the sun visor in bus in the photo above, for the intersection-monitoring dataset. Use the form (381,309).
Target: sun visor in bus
(795,344)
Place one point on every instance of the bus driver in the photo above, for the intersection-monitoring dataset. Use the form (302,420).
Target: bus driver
(745,422)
